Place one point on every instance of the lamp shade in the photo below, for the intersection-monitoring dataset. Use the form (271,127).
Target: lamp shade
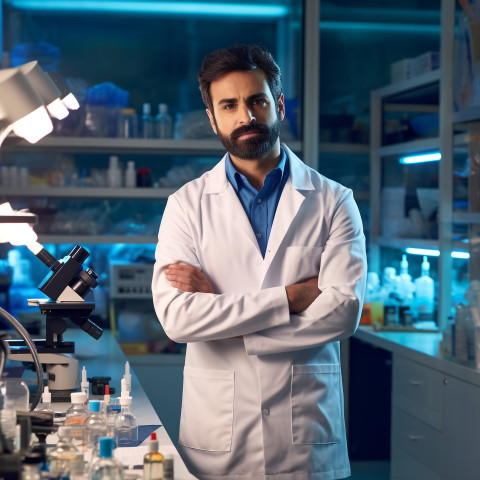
(20,104)
(46,88)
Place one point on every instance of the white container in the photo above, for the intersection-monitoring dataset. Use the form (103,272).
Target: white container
(114,174)
(131,175)
(424,293)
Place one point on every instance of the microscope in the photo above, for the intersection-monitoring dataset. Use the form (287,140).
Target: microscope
(67,285)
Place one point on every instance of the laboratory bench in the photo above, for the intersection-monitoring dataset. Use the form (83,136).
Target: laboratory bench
(104,358)
(435,421)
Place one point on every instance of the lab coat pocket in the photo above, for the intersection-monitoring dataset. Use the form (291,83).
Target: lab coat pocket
(316,404)
(301,263)
(207,409)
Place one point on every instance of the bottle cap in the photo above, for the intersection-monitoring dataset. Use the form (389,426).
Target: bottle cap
(46,395)
(78,397)
(107,444)
(153,442)
(94,405)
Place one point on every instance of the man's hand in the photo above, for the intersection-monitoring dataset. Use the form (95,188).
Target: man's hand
(301,295)
(187,278)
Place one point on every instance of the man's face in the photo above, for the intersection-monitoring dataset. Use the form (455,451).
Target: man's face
(245,116)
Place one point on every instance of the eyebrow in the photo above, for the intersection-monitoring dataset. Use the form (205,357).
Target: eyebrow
(249,99)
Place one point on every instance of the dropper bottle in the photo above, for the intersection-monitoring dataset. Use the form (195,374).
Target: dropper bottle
(125,423)
(46,405)
(153,461)
(84,385)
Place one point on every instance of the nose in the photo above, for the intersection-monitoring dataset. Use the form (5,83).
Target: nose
(246,115)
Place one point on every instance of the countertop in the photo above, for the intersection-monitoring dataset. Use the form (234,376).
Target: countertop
(422,347)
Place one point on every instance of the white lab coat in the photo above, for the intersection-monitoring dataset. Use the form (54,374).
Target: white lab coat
(269,405)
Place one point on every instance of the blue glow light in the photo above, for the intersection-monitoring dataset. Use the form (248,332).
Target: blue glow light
(191,8)
(425,157)
(431,252)
(380,27)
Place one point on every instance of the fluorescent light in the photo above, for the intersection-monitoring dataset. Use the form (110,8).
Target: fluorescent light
(431,252)
(424,157)
(380,27)
(190,8)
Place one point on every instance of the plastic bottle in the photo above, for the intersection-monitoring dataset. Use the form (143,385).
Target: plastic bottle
(114,174)
(146,123)
(153,461)
(96,427)
(406,288)
(84,384)
(163,122)
(78,412)
(128,123)
(424,290)
(106,466)
(389,293)
(65,459)
(131,175)
(46,405)
(125,424)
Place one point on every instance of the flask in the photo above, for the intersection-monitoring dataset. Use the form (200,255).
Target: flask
(424,290)
(125,424)
(131,175)
(114,175)
(146,124)
(153,461)
(46,405)
(65,460)
(106,467)
(95,428)
(163,122)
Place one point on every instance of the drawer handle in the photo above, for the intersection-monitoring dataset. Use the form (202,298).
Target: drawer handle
(414,438)
(415,383)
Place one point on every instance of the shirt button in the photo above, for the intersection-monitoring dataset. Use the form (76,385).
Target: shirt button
(259,235)
(266,411)
(259,200)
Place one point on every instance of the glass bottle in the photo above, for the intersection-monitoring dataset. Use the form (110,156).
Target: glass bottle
(163,122)
(146,123)
(153,461)
(65,459)
(125,423)
(106,467)
(31,467)
(75,417)
(46,405)
(95,428)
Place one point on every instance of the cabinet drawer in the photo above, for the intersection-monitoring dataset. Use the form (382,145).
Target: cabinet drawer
(417,439)
(418,390)
(405,467)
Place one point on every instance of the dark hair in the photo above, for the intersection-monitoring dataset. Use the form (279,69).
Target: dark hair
(238,57)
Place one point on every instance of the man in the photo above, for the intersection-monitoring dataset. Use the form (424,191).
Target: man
(260,268)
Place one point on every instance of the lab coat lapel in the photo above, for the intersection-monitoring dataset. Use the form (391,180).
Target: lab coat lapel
(293,195)
(228,202)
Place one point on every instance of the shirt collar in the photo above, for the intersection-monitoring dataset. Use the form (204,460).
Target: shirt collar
(237,179)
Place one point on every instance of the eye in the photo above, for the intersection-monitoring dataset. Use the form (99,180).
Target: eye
(228,106)
(260,101)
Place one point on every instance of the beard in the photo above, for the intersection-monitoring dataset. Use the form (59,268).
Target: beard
(255,147)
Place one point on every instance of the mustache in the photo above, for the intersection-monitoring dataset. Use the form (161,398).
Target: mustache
(252,128)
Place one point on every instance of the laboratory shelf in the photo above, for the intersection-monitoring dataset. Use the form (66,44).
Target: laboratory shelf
(424,243)
(410,85)
(466,217)
(88,192)
(97,239)
(467,115)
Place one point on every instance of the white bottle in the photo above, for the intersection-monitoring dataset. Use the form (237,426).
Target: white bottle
(125,423)
(424,288)
(163,122)
(114,174)
(405,290)
(46,405)
(146,122)
(131,175)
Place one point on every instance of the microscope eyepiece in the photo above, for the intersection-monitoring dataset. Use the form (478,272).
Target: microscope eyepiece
(86,280)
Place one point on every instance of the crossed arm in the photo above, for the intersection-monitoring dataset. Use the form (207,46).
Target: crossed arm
(191,279)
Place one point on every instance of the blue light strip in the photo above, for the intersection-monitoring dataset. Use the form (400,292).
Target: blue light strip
(191,8)
(431,252)
(381,27)
(425,157)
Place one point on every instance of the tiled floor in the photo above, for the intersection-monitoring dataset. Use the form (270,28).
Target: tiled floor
(366,470)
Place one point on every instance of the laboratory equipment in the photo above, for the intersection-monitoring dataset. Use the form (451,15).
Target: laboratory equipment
(46,405)
(106,466)
(424,291)
(146,122)
(78,412)
(153,461)
(65,459)
(125,423)
(85,384)
(163,122)
(95,428)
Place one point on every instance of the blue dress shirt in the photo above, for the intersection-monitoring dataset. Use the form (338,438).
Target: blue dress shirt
(260,206)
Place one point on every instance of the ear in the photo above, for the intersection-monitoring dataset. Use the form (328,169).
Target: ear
(281,106)
(212,121)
